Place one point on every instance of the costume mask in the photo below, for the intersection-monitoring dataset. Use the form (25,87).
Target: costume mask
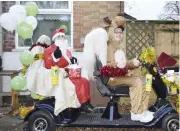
(115,29)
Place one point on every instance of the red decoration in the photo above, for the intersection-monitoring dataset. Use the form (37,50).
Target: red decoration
(39,44)
(74,72)
(108,71)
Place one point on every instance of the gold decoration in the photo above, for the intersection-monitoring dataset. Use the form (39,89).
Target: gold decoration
(23,111)
(154,69)
(38,56)
(174,86)
(148,55)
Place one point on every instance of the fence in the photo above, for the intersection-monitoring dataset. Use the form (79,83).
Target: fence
(163,35)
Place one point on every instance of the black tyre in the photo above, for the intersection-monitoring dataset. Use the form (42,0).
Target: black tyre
(171,122)
(41,121)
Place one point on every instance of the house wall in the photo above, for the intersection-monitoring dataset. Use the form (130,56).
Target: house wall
(87,15)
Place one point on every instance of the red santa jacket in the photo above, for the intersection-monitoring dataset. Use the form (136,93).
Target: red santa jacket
(48,59)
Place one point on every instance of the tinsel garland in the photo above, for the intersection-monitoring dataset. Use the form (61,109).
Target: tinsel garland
(39,44)
(148,55)
(23,111)
(109,71)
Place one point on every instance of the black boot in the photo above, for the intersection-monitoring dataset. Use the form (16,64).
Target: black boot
(87,107)
(66,116)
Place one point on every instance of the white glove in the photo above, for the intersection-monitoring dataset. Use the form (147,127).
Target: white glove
(136,62)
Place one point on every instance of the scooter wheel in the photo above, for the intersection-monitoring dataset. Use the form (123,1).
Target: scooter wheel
(41,121)
(171,122)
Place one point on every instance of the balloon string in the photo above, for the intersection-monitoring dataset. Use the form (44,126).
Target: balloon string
(32,41)
(23,43)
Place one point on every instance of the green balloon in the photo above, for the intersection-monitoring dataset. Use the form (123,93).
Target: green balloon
(26,57)
(31,9)
(25,30)
(18,83)
(64,27)
(34,95)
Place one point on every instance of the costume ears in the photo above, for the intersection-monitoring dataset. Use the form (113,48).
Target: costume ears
(119,21)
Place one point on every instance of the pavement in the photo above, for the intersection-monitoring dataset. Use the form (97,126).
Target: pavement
(9,122)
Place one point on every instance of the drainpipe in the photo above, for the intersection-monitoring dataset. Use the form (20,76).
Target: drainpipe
(1,52)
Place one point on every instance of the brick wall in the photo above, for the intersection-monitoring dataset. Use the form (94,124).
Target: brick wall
(8,38)
(88,15)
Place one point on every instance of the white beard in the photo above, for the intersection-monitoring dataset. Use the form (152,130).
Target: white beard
(63,45)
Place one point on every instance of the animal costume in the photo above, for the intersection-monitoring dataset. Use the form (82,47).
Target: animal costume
(106,45)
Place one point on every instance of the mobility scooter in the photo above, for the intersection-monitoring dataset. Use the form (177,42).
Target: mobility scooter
(42,117)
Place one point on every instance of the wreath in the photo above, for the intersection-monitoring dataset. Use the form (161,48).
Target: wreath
(109,71)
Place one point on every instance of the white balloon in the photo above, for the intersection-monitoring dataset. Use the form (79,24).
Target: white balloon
(8,21)
(19,11)
(32,21)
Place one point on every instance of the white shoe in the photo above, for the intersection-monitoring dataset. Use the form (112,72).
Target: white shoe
(136,117)
(147,117)
(143,117)
(147,111)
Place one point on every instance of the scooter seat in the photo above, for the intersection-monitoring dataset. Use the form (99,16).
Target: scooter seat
(120,90)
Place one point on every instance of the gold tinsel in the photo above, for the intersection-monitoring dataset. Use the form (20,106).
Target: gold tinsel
(23,111)
(148,55)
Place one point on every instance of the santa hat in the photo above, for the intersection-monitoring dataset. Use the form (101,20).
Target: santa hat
(58,32)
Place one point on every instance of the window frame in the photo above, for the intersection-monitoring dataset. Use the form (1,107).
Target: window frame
(50,11)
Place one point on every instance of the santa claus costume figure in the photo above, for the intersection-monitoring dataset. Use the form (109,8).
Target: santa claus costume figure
(106,45)
(59,55)
(39,80)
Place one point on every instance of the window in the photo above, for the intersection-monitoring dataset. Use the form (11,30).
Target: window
(52,14)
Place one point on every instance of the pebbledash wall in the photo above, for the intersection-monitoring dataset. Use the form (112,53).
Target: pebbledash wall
(86,16)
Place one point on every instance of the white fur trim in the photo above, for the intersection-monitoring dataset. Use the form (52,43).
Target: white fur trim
(95,44)
(54,59)
(58,34)
(120,58)
(37,49)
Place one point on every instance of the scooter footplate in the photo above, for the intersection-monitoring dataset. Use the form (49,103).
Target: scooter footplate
(95,120)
